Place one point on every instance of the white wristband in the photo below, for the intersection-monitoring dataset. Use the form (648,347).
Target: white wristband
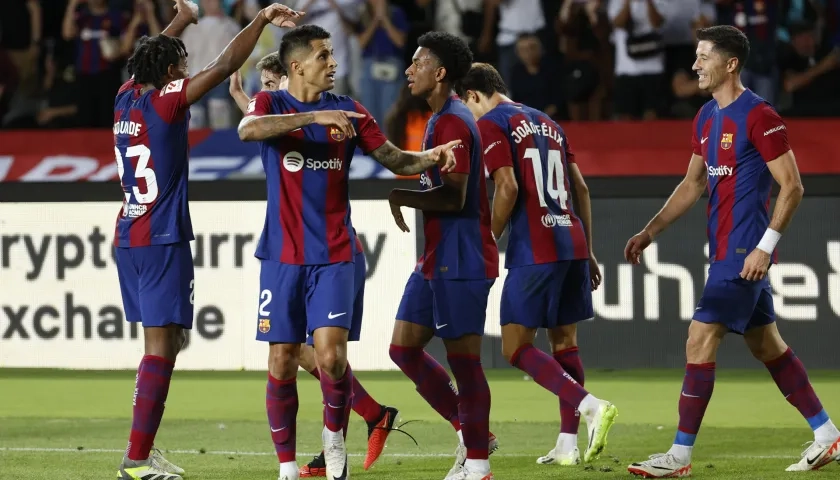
(769,240)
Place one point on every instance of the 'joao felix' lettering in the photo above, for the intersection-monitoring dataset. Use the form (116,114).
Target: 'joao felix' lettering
(529,128)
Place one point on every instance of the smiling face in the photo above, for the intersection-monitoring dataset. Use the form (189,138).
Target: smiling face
(713,67)
(424,73)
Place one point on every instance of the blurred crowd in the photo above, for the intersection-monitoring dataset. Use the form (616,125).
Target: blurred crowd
(61,61)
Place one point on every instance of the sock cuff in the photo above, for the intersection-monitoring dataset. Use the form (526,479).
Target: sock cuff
(559,354)
(783,358)
(700,366)
(276,382)
(405,350)
(158,359)
(514,359)
(347,375)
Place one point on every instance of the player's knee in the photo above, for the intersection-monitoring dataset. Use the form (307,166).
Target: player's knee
(509,350)
(282,362)
(331,362)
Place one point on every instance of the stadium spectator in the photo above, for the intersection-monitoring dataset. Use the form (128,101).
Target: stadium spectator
(810,73)
(381,36)
(639,56)
(534,76)
(60,109)
(8,83)
(20,37)
(584,29)
(96,29)
(204,41)
(406,123)
(516,17)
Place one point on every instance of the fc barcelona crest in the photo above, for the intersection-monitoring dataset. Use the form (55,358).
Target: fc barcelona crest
(726,141)
(264,325)
(337,134)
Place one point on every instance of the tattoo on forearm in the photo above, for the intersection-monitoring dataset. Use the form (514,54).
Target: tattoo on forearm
(400,161)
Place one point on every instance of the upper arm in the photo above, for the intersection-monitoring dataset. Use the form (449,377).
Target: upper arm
(697,173)
(449,128)
(767,132)
(497,151)
(203,82)
(784,170)
(369,134)
(696,146)
(171,101)
(577,178)
(258,106)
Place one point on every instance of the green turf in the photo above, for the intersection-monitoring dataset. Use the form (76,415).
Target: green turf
(61,425)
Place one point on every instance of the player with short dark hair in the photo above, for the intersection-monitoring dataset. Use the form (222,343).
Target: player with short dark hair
(739,146)
(308,245)
(379,418)
(552,269)
(153,229)
(446,294)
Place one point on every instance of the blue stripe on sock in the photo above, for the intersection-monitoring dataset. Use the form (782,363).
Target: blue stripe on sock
(818,420)
(686,439)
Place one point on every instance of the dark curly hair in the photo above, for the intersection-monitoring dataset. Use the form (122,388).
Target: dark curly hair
(151,59)
(299,37)
(454,54)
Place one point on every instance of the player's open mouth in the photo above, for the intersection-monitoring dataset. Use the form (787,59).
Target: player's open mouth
(331,76)
(701,76)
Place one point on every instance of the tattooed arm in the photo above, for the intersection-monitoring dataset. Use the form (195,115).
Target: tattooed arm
(255,129)
(402,162)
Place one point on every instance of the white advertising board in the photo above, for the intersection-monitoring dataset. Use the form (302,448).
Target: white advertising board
(60,304)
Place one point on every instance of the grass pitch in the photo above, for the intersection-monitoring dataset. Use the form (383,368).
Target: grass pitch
(68,425)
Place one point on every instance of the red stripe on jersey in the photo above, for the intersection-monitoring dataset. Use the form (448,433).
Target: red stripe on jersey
(140,232)
(725,190)
(338,242)
(489,249)
(543,243)
(291,215)
(432,231)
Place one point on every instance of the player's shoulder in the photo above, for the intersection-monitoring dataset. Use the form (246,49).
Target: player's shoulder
(706,111)
(331,101)
(757,107)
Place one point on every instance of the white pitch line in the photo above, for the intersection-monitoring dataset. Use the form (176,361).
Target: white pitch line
(304,454)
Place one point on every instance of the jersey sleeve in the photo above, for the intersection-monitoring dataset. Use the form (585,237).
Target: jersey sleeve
(449,128)
(768,132)
(497,152)
(370,135)
(171,101)
(128,85)
(695,139)
(259,105)
(570,155)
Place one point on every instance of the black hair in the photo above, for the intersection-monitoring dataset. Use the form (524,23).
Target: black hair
(483,78)
(727,40)
(454,54)
(272,63)
(151,59)
(299,37)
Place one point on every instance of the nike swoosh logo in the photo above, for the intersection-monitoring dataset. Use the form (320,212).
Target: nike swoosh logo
(275,430)
(440,326)
(331,316)
(811,461)
(703,140)
(690,396)
(333,406)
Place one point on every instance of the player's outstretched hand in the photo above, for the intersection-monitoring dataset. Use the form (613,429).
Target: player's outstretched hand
(235,83)
(281,15)
(398,217)
(187,10)
(443,156)
(756,265)
(594,272)
(340,119)
(635,246)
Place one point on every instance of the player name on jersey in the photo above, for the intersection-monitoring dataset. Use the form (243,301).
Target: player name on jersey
(127,128)
(525,128)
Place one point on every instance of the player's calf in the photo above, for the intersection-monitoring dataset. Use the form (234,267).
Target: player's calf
(281,404)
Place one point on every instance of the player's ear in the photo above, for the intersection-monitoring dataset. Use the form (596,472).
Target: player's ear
(732,65)
(440,74)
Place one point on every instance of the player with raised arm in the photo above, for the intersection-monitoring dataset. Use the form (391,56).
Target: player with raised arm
(308,245)
(379,418)
(552,269)
(739,146)
(446,295)
(153,229)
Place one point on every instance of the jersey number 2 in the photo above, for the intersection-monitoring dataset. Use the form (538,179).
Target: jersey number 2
(143,170)
(556,185)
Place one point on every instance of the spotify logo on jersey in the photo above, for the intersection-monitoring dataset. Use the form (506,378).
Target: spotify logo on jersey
(293,161)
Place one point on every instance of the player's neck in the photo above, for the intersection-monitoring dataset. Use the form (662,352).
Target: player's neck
(498,98)
(304,93)
(438,97)
(728,93)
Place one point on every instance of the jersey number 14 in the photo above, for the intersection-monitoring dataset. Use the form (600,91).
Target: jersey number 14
(555,184)
(142,153)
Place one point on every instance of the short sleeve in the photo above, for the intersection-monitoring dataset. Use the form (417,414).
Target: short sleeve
(696,147)
(171,101)
(449,128)
(259,105)
(767,132)
(369,134)
(496,146)
(570,155)
(128,85)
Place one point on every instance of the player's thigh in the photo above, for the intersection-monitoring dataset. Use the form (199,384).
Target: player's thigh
(528,295)
(281,307)
(459,306)
(358,298)
(762,335)
(574,301)
(129,279)
(167,281)
(330,295)
(416,304)
(730,300)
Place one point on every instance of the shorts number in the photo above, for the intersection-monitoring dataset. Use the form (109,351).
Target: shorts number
(556,185)
(192,292)
(143,170)
(265,296)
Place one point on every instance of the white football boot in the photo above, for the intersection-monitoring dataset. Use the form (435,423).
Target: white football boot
(661,465)
(816,456)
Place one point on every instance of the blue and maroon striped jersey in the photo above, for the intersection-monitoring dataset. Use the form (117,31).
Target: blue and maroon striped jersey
(152,151)
(91,30)
(736,143)
(543,227)
(458,246)
(307,220)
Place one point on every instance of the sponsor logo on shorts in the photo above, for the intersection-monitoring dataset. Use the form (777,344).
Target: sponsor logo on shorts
(264,325)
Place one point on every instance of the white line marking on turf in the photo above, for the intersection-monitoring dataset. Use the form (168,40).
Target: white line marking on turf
(304,454)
